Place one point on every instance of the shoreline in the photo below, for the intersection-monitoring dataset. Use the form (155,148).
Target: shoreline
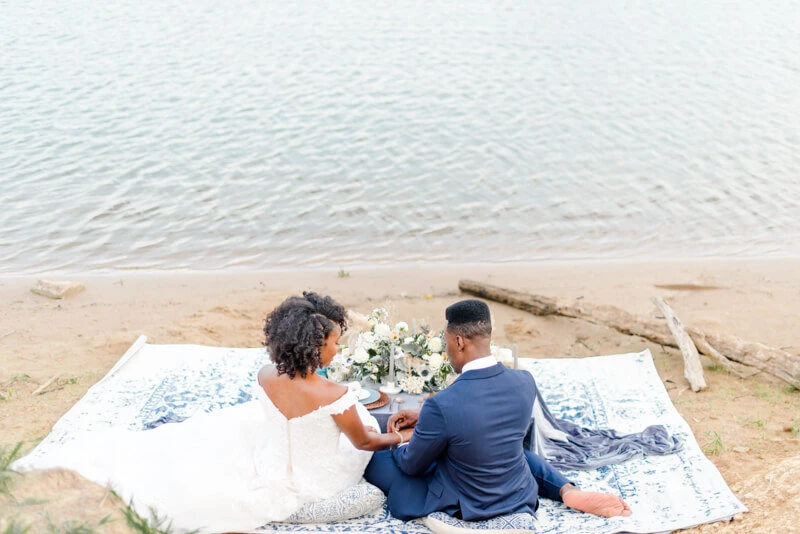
(428,265)
(754,299)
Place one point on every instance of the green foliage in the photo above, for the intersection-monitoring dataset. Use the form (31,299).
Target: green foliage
(343,274)
(16,528)
(715,445)
(153,525)
(73,527)
(760,423)
(32,501)
(19,378)
(7,456)
(761,391)
(69,527)
(8,394)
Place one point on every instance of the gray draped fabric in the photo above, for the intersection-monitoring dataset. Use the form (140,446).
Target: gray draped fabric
(569,446)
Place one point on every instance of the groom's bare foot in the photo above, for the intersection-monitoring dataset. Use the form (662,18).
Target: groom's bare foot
(596,503)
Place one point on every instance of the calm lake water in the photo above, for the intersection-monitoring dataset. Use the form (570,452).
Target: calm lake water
(255,133)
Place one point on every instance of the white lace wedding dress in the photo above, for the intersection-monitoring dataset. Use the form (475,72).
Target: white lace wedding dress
(230,470)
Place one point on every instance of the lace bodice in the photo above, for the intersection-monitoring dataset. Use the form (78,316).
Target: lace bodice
(317,458)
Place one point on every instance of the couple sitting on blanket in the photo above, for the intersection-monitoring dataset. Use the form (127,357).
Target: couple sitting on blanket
(462,453)
(304,439)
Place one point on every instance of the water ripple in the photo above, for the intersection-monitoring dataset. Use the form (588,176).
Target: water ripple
(173,135)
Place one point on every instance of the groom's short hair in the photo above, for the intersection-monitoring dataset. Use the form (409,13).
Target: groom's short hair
(469,319)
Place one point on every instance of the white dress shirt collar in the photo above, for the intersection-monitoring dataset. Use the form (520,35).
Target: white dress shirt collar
(480,363)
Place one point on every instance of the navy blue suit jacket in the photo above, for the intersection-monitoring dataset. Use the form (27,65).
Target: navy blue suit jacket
(467,446)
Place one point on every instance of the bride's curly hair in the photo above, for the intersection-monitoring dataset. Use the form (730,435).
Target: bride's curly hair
(296,330)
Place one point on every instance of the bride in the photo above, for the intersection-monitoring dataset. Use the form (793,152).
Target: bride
(302,439)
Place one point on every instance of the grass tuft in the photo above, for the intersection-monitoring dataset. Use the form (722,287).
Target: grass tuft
(73,527)
(761,391)
(715,445)
(9,391)
(7,456)
(153,525)
(760,423)
(343,274)
(16,528)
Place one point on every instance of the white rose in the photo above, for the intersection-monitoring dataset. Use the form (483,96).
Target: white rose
(346,352)
(408,340)
(436,360)
(382,331)
(401,326)
(366,340)
(435,344)
(361,355)
(377,315)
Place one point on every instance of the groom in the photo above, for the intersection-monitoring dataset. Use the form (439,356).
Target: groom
(466,457)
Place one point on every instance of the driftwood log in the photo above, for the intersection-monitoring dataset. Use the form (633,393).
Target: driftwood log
(744,357)
(692,368)
(41,389)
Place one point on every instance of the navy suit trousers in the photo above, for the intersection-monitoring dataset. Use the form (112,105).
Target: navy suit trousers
(383,472)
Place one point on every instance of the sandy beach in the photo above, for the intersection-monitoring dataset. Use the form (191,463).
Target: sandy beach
(756,422)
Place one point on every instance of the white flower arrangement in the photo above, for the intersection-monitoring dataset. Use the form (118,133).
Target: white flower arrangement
(419,362)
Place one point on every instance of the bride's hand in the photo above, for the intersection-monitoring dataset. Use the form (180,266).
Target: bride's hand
(402,419)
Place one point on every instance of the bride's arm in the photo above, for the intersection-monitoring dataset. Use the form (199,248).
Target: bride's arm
(363,437)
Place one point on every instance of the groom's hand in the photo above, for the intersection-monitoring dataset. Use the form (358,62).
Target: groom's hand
(402,419)
(407,433)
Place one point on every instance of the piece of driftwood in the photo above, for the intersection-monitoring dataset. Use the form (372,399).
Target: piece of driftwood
(57,289)
(692,368)
(774,361)
(44,386)
(742,371)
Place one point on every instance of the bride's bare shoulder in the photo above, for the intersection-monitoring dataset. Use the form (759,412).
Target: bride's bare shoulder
(321,390)
(266,372)
(330,391)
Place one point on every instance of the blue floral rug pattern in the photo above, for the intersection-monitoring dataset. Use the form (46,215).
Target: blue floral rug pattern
(163,384)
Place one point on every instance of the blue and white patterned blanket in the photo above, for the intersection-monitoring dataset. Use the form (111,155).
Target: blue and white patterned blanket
(155,384)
